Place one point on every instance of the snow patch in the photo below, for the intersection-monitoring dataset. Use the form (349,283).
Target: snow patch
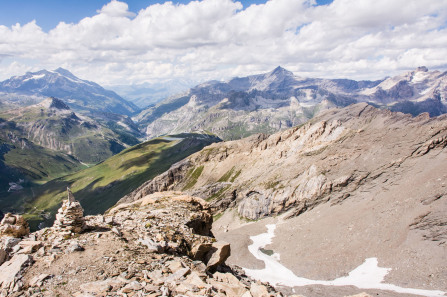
(389,83)
(367,276)
(420,77)
(35,76)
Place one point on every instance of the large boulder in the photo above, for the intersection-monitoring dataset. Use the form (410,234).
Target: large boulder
(14,226)
(218,254)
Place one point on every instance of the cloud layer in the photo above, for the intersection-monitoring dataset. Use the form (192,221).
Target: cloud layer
(217,39)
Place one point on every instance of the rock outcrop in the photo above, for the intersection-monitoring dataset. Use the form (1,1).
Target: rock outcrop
(70,217)
(11,274)
(14,226)
(350,184)
(159,245)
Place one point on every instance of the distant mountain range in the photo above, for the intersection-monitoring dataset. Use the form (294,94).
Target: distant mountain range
(276,100)
(80,95)
(145,94)
(232,109)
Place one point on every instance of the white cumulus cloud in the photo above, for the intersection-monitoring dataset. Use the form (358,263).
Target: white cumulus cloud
(217,39)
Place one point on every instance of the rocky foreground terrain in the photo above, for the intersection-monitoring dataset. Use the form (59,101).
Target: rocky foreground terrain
(160,245)
(351,184)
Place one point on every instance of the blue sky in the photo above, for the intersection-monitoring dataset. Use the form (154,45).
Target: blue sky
(130,42)
(48,13)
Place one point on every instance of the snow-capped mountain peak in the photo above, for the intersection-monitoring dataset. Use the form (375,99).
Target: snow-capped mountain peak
(60,83)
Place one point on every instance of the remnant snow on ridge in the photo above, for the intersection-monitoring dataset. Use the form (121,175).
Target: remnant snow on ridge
(366,276)
(35,77)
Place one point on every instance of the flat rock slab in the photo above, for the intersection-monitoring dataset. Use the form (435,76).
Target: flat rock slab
(11,269)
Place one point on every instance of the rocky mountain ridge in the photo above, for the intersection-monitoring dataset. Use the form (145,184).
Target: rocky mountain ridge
(53,125)
(138,249)
(81,95)
(262,190)
(278,100)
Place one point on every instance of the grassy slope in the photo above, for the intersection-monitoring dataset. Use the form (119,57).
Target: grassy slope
(41,164)
(32,164)
(99,187)
(91,142)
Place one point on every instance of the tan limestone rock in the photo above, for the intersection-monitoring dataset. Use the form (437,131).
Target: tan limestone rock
(10,270)
(258,290)
(14,225)
(220,251)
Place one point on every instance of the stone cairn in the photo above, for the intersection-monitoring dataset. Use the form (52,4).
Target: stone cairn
(70,217)
(14,226)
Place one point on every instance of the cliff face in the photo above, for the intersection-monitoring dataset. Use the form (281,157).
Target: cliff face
(160,244)
(327,159)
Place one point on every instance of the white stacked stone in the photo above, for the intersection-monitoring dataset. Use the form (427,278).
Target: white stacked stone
(70,217)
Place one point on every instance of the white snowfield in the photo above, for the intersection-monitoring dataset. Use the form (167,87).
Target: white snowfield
(366,276)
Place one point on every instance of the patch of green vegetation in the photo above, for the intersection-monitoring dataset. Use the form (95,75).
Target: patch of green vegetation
(208,152)
(226,176)
(28,166)
(310,112)
(247,220)
(230,175)
(271,184)
(99,187)
(217,216)
(193,176)
(267,252)
(218,194)
(39,163)
(239,130)
(236,175)
(315,152)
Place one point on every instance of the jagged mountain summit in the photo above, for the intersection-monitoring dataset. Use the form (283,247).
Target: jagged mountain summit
(350,185)
(81,95)
(279,99)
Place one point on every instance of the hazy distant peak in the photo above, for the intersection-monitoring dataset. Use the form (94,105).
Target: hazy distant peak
(65,72)
(55,103)
(281,71)
(422,69)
